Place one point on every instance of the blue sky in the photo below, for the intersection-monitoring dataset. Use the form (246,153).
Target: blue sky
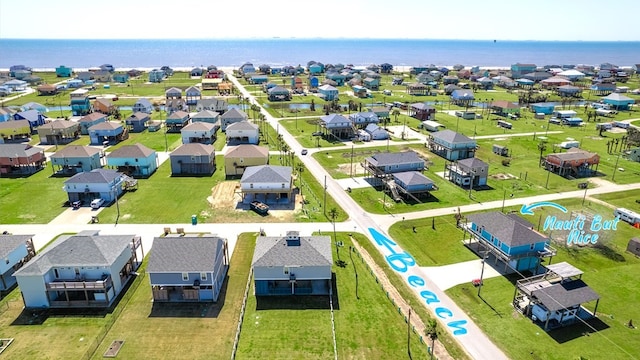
(586,20)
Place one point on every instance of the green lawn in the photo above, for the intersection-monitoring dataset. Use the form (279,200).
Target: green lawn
(173,331)
(368,327)
(36,199)
(608,269)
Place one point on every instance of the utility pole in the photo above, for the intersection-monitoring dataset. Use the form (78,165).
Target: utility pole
(484,260)
(585,192)
(409,331)
(613,178)
(351,166)
(325,195)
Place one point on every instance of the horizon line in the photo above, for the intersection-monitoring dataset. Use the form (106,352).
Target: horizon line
(318,38)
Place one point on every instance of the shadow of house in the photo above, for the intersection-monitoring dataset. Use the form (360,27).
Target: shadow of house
(193,159)
(300,302)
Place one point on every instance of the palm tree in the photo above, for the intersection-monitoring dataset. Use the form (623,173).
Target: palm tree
(284,148)
(300,169)
(432,332)
(333,214)
(542,146)
(395,112)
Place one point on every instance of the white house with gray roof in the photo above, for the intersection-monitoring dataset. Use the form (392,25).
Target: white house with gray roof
(217,105)
(188,268)
(80,271)
(243,132)
(292,265)
(95,184)
(388,163)
(199,132)
(269,183)
(232,116)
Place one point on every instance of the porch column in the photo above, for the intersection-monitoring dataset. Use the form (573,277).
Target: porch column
(595,311)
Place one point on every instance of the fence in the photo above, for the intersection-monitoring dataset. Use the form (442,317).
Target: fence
(236,340)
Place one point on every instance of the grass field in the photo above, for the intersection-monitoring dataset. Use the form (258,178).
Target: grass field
(609,270)
(368,327)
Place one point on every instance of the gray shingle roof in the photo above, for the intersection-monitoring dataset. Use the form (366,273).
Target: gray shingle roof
(107,125)
(511,230)
(8,243)
(199,126)
(96,176)
(78,250)
(242,125)
(385,159)
(194,149)
(412,178)
(274,251)
(472,163)
(247,150)
(76,151)
(14,124)
(184,254)
(131,151)
(564,295)
(266,174)
(451,136)
(22,150)
(234,113)
(205,114)
(92,117)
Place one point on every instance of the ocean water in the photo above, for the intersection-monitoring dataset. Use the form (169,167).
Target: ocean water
(276,52)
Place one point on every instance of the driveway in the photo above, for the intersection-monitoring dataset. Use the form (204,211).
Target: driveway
(73,216)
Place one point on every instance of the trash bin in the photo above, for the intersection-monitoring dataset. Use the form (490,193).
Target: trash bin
(194,220)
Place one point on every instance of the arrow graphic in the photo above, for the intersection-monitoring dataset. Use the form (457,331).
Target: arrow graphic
(528,209)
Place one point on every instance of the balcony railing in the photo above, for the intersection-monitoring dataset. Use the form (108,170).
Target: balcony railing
(80,284)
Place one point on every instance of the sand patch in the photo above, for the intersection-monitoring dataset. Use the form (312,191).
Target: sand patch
(501,176)
(223,195)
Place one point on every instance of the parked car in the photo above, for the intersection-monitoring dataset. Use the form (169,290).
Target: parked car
(76,204)
(304,152)
(96,203)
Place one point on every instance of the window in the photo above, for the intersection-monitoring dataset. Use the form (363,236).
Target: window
(283,185)
(55,273)
(532,246)
(286,270)
(203,276)
(185,276)
(251,186)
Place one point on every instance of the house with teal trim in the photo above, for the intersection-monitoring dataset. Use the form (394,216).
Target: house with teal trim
(278,93)
(371,83)
(328,92)
(75,159)
(188,269)
(176,121)
(80,104)
(510,239)
(156,76)
(542,108)
(63,71)
(137,160)
(207,116)
(121,78)
(137,122)
(316,68)
(362,119)
(618,101)
(292,265)
(258,79)
(451,145)
(519,69)
(337,77)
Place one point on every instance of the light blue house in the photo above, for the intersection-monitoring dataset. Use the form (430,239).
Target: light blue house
(451,145)
(371,83)
(618,101)
(89,120)
(328,92)
(389,163)
(109,131)
(16,85)
(314,82)
(74,159)
(413,181)
(63,71)
(542,108)
(188,269)
(257,79)
(462,97)
(292,265)
(362,119)
(87,270)
(207,116)
(469,173)
(315,69)
(120,78)
(511,239)
(80,104)
(337,77)
(376,132)
(75,83)
(5,115)
(137,160)
(519,69)
(156,76)
(103,184)
(15,251)
(143,105)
